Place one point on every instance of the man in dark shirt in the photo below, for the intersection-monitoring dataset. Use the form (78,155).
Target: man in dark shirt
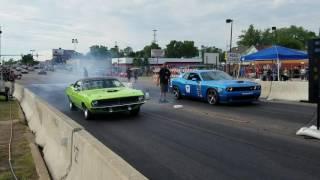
(163,81)
(12,78)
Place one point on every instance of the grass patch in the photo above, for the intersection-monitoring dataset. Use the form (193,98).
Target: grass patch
(5,109)
(21,156)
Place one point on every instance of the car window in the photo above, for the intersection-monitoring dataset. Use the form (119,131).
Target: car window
(101,83)
(215,75)
(77,84)
(186,75)
(194,75)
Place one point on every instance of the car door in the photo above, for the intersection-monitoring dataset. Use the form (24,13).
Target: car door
(195,85)
(75,93)
(184,85)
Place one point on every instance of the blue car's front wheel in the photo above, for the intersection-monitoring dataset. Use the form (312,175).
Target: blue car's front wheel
(176,92)
(212,97)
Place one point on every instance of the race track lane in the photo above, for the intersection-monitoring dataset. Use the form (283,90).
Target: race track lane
(201,141)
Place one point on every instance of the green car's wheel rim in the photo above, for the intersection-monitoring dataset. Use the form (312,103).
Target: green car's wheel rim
(212,96)
(87,114)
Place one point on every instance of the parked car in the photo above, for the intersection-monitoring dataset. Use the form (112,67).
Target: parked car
(215,87)
(17,74)
(42,72)
(30,68)
(4,90)
(24,71)
(104,95)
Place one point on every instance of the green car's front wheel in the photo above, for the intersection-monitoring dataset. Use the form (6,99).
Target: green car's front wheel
(87,114)
(134,112)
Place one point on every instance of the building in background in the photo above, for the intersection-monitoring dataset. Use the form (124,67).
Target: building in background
(61,56)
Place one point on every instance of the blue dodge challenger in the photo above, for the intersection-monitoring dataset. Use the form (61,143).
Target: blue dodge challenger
(215,87)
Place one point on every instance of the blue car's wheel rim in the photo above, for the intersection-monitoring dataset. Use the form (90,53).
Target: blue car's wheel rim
(176,92)
(212,97)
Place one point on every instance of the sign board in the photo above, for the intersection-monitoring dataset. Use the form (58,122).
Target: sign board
(211,58)
(157,53)
(233,58)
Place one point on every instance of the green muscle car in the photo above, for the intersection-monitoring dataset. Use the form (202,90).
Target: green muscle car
(103,95)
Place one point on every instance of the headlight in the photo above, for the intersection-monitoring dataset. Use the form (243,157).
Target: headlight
(141,98)
(257,87)
(94,103)
(229,89)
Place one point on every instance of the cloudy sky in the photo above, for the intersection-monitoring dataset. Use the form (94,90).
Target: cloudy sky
(46,24)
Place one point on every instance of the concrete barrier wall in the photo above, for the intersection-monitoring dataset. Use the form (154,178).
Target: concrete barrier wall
(265,88)
(92,159)
(289,90)
(68,149)
(284,90)
(53,131)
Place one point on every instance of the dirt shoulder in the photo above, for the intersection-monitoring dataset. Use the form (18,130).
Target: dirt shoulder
(22,160)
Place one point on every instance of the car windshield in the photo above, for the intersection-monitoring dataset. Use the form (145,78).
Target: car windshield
(101,83)
(215,75)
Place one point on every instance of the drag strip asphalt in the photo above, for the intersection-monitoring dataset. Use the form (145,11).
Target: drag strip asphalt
(199,141)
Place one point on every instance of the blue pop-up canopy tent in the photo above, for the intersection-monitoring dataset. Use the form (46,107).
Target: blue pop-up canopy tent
(275,53)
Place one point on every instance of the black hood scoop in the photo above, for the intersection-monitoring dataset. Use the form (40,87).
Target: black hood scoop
(112,90)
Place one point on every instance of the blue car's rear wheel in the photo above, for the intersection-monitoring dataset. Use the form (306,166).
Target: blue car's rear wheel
(212,97)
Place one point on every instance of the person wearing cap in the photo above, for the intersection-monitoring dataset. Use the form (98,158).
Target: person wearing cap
(163,81)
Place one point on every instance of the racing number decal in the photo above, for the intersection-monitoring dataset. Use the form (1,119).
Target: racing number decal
(187,88)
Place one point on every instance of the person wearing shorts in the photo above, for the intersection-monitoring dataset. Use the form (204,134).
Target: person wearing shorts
(163,81)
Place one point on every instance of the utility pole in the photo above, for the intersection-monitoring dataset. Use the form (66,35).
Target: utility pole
(154,36)
(117,49)
(0,42)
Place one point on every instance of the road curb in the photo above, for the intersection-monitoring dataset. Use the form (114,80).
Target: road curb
(40,165)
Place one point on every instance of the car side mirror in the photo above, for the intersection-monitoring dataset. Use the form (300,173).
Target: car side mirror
(77,88)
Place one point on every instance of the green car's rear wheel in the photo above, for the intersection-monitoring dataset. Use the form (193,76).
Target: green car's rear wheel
(72,107)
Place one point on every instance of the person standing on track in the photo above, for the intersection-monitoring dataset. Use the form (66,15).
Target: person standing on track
(163,81)
(11,78)
(129,74)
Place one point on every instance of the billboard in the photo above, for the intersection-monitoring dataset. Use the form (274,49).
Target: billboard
(211,58)
(233,58)
(157,53)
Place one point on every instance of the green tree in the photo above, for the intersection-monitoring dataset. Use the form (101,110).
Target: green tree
(10,62)
(114,52)
(213,49)
(137,62)
(99,51)
(28,60)
(250,37)
(147,49)
(291,37)
(128,52)
(179,49)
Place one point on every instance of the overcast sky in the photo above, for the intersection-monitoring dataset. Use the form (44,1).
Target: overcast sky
(46,24)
